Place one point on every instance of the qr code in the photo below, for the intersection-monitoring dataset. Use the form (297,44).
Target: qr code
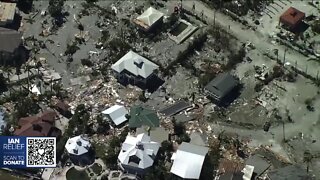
(41,152)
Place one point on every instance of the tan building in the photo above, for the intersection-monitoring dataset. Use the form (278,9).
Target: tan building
(148,19)
(7,12)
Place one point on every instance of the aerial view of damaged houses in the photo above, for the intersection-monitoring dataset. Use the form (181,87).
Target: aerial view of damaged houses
(160,89)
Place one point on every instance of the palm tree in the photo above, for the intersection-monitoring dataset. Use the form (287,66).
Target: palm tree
(18,72)
(38,65)
(307,158)
(27,68)
(8,71)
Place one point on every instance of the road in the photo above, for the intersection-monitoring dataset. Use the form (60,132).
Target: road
(262,43)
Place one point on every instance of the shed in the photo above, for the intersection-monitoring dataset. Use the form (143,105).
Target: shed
(117,114)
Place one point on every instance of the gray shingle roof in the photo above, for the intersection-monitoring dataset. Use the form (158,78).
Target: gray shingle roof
(222,85)
(11,38)
(260,165)
(175,108)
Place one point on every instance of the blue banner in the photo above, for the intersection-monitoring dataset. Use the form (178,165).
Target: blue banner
(12,152)
(23,152)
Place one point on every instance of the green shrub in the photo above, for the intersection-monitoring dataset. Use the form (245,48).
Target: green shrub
(71,49)
(86,62)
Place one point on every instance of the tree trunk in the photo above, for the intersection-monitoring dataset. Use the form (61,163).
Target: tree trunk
(51,85)
(28,78)
(19,80)
(8,75)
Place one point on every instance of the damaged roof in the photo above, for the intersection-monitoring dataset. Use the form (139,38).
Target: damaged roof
(157,134)
(175,108)
(260,165)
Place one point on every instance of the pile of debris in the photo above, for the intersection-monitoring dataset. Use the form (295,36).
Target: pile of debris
(98,95)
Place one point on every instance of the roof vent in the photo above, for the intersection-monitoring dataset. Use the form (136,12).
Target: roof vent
(79,143)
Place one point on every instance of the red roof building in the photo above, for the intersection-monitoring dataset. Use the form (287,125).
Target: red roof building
(63,108)
(38,125)
(292,17)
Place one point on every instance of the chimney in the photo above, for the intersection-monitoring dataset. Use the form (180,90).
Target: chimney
(139,145)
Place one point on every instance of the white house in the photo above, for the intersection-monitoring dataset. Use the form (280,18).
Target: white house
(80,151)
(138,153)
(149,18)
(117,114)
(133,68)
(188,161)
(7,12)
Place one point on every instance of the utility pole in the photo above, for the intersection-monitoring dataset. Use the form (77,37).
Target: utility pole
(214,17)
(284,56)
(306,69)
(277,53)
(51,84)
(193,7)
(283,131)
